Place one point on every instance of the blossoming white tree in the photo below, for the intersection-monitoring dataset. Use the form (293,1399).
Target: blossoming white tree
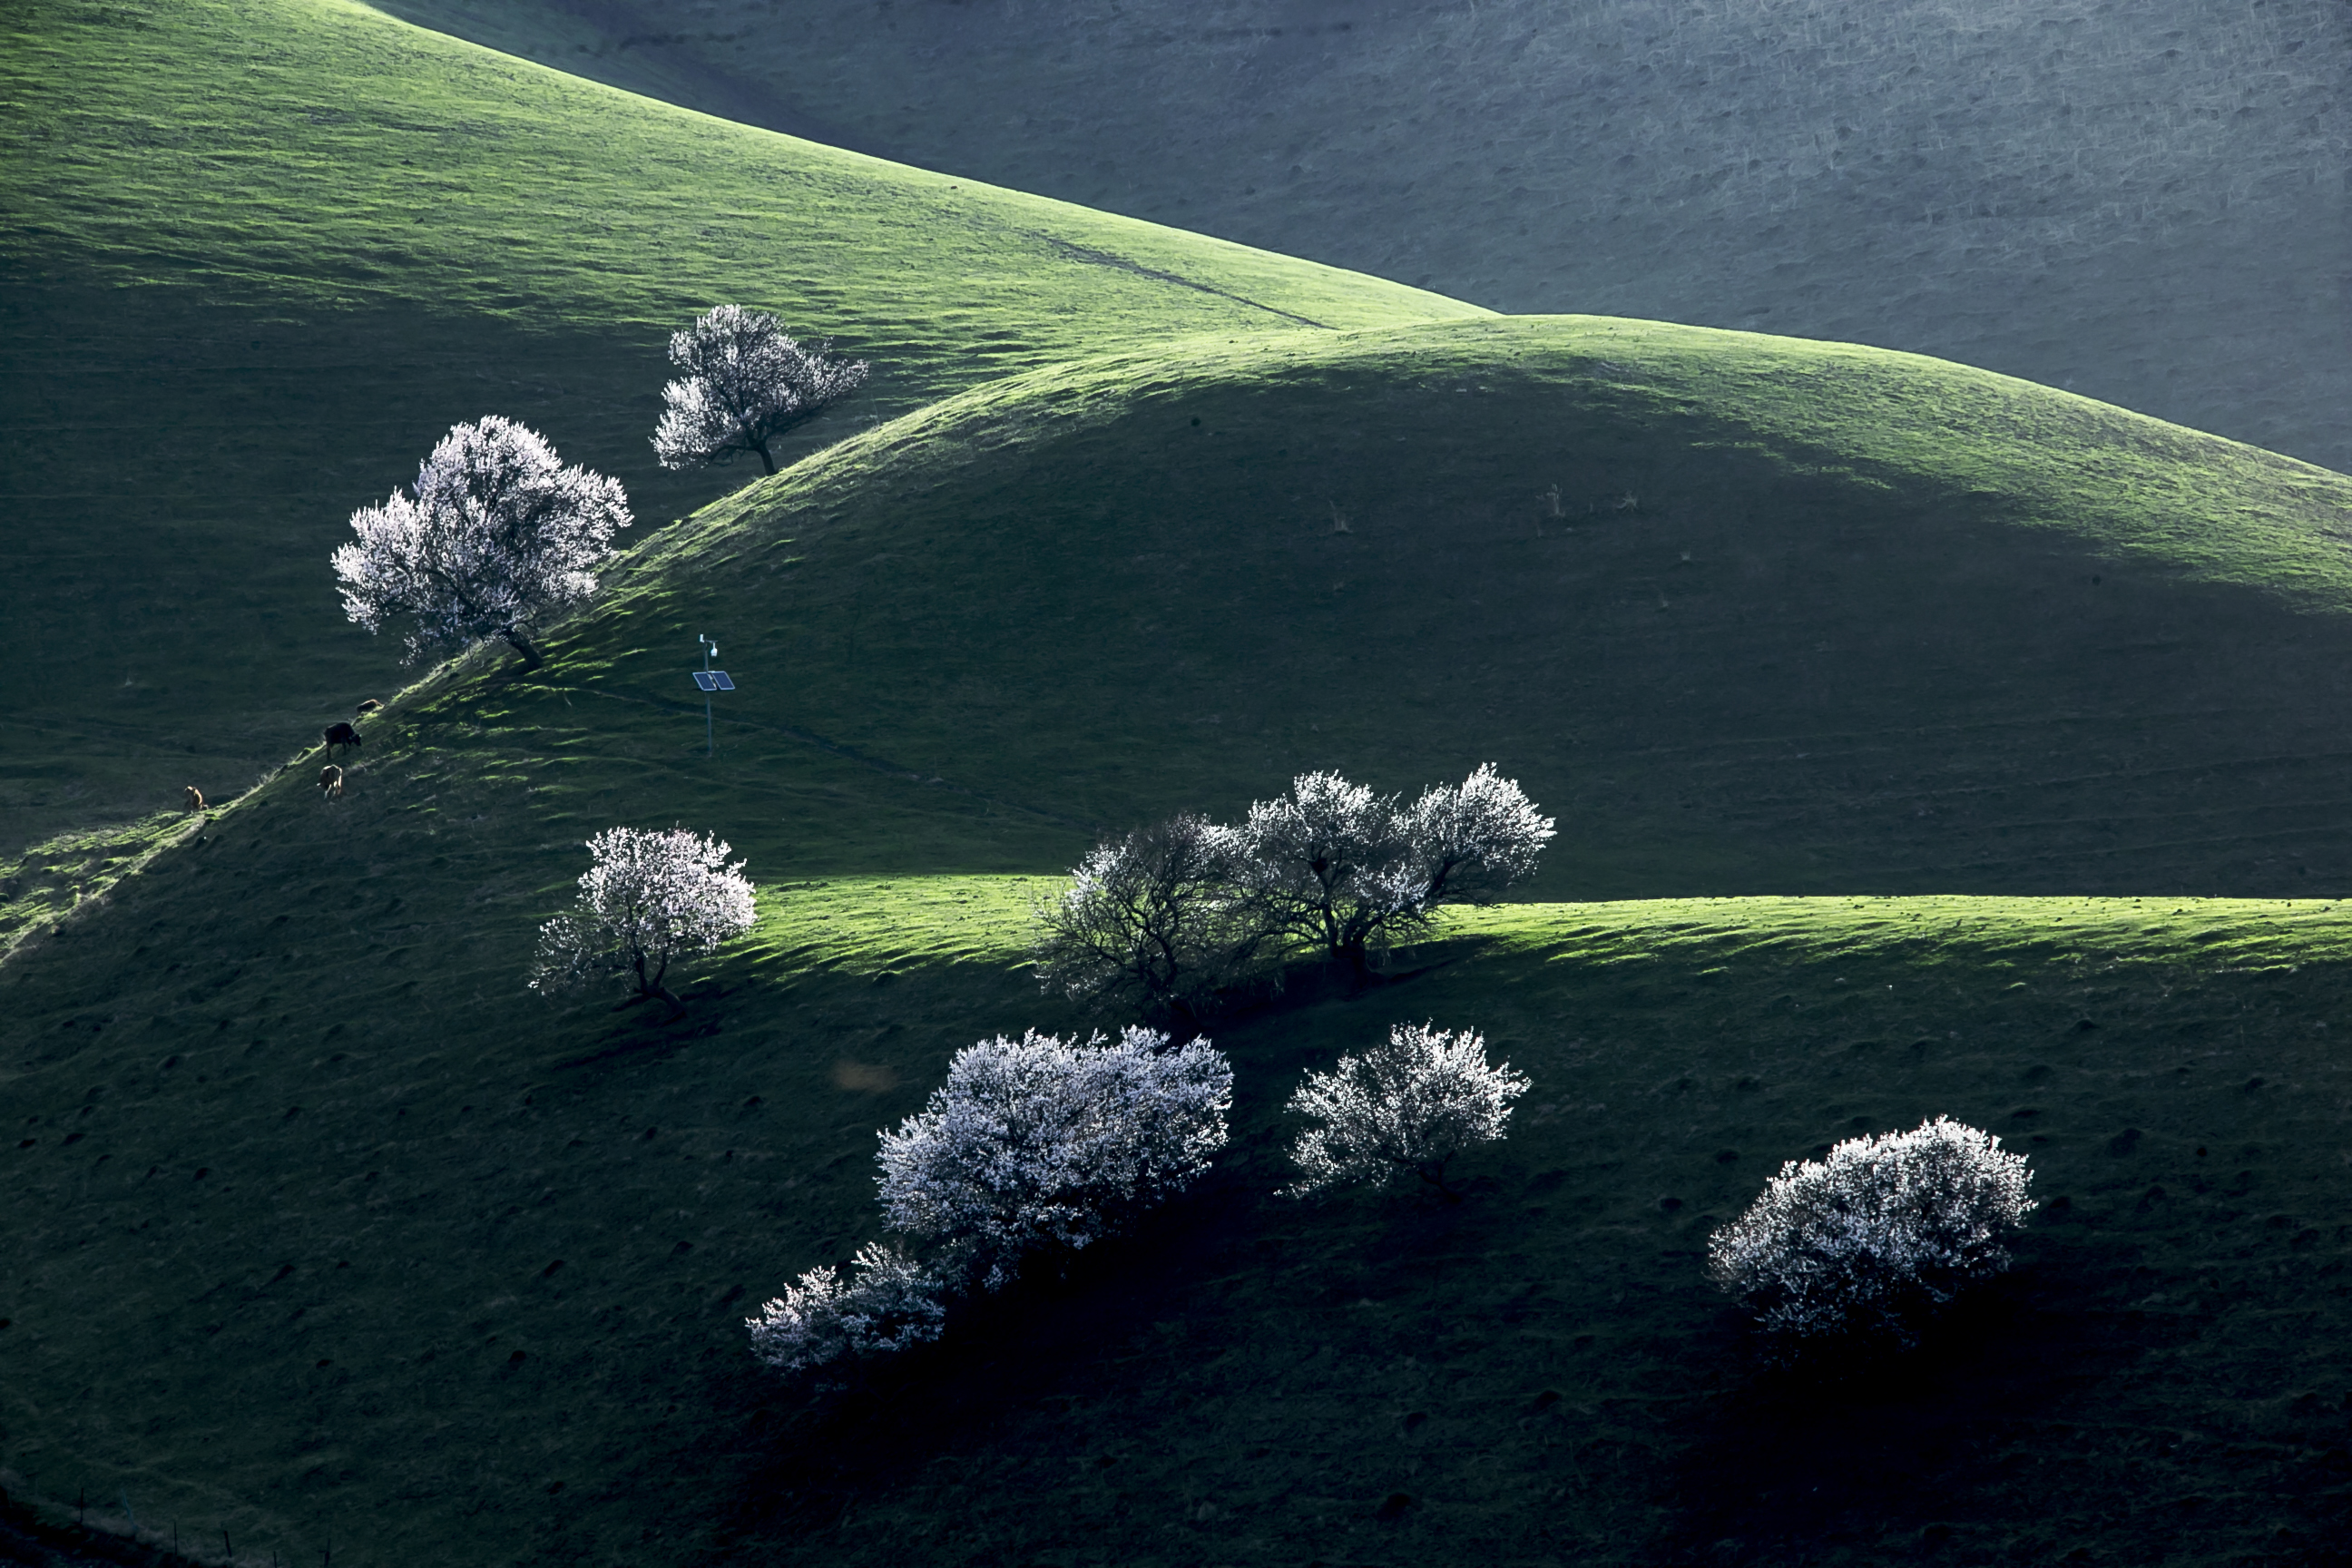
(743,382)
(885,1301)
(1410,1105)
(1342,869)
(1857,1247)
(1159,919)
(1043,1144)
(496,533)
(646,900)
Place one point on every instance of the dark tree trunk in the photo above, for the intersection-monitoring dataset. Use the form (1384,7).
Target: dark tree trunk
(766,461)
(1447,1192)
(520,643)
(650,986)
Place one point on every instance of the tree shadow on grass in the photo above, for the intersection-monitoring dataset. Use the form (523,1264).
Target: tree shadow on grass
(1912,1453)
(825,1444)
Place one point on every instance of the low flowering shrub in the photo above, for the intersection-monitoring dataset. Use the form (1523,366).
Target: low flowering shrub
(1860,1245)
(1041,1144)
(888,1302)
(1410,1105)
(646,901)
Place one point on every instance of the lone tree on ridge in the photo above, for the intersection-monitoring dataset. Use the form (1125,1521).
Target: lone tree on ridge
(743,384)
(646,900)
(496,533)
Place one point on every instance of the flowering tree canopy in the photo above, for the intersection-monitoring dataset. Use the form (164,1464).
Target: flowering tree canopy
(742,383)
(1342,868)
(1860,1244)
(1410,1105)
(1161,917)
(646,899)
(1043,1142)
(496,533)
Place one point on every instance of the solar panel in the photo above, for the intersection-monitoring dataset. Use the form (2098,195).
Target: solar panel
(720,676)
(707,680)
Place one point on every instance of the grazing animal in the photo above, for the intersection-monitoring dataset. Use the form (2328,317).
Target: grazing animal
(331,781)
(195,798)
(339,734)
(368,705)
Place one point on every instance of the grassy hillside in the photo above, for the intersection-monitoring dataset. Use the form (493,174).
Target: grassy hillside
(375,1255)
(1751,615)
(320,1225)
(323,1234)
(2143,202)
(259,253)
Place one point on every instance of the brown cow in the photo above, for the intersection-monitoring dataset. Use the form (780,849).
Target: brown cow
(331,781)
(195,798)
(368,705)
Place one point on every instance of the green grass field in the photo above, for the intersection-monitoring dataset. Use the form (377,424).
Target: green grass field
(259,255)
(323,1228)
(323,1233)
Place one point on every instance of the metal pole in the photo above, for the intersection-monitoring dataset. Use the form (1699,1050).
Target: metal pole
(710,733)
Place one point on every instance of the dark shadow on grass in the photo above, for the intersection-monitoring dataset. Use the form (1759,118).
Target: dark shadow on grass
(1311,982)
(1799,1464)
(654,1032)
(822,1449)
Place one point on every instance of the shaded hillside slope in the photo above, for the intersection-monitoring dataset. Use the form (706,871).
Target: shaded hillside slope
(259,253)
(321,1232)
(2146,202)
(1748,614)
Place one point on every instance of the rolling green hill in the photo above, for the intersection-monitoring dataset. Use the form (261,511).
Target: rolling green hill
(323,1226)
(323,1234)
(259,253)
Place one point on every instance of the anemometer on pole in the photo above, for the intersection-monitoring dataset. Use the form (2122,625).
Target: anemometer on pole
(710,681)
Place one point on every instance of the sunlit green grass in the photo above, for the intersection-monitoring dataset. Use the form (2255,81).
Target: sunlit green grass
(260,254)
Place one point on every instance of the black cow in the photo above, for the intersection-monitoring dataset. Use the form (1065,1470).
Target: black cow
(339,734)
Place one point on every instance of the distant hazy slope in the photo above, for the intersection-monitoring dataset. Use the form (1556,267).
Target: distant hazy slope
(260,253)
(2145,203)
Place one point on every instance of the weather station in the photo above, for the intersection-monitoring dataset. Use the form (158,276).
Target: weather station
(710,681)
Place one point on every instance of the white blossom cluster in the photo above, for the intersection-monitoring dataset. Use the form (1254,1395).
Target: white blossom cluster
(1047,1143)
(496,533)
(885,1301)
(1344,870)
(743,384)
(646,900)
(1410,1105)
(1170,914)
(1887,1227)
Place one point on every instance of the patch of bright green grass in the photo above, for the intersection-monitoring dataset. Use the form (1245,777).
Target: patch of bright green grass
(260,254)
(50,880)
